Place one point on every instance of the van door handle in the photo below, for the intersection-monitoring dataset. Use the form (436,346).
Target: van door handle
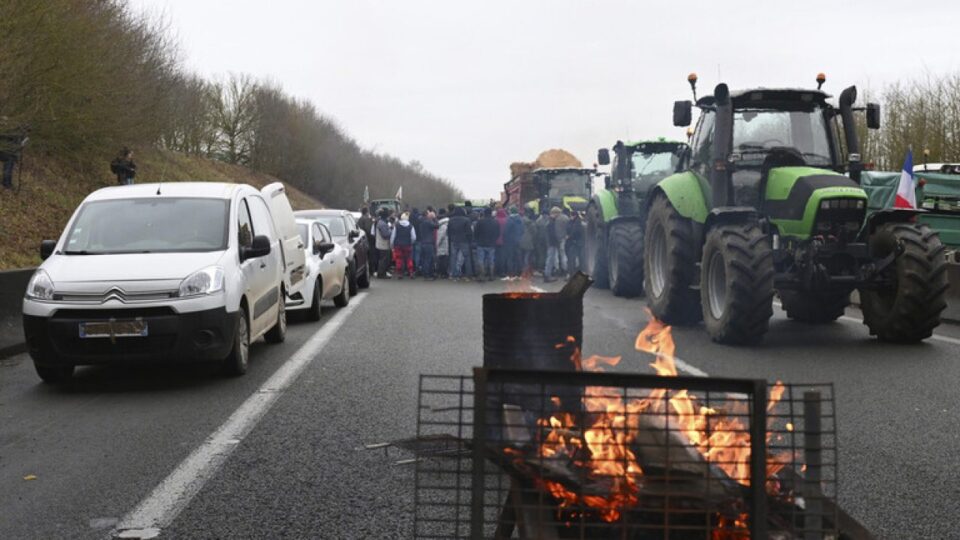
(263,265)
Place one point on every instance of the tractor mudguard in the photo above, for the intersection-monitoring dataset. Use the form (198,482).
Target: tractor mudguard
(685,194)
(889,215)
(606,201)
(731,214)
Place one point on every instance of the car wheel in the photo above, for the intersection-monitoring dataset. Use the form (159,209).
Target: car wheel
(352,276)
(313,314)
(279,331)
(54,374)
(236,362)
(342,299)
(364,280)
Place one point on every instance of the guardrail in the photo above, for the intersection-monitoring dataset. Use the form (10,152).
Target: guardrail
(13,283)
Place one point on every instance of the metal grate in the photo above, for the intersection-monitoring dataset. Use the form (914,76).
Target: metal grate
(534,454)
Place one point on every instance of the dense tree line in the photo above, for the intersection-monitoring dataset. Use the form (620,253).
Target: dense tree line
(90,76)
(923,114)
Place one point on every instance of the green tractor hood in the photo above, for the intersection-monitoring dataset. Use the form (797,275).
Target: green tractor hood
(794,195)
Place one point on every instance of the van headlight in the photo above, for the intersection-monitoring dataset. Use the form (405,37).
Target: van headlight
(40,286)
(206,281)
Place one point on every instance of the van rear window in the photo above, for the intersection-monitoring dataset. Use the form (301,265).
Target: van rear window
(161,225)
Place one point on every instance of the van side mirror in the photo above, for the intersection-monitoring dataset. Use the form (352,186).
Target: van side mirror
(260,247)
(873,115)
(46,248)
(603,156)
(682,113)
(353,235)
(322,248)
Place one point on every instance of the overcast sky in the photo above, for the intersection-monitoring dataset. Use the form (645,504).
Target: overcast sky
(468,87)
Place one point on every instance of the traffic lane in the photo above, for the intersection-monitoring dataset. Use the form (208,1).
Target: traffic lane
(896,405)
(99,444)
(303,472)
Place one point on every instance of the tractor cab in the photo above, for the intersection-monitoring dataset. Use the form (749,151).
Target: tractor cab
(562,187)
(638,166)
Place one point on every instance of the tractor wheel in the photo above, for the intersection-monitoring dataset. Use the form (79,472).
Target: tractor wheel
(814,307)
(596,253)
(625,259)
(909,309)
(670,265)
(736,283)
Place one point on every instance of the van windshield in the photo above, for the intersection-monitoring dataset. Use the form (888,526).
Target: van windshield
(161,225)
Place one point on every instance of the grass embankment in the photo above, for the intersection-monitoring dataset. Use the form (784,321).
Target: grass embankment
(51,192)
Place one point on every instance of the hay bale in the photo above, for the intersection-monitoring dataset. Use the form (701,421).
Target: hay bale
(556,157)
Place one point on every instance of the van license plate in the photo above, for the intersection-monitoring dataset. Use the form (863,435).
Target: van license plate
(113,329)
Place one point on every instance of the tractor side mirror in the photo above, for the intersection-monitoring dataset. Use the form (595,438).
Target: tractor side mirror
(46,248)
(682,113)
(603,156)
(873,115)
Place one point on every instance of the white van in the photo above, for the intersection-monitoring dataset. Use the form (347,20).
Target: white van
(149,272)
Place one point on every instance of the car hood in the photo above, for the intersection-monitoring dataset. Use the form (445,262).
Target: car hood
(128,266)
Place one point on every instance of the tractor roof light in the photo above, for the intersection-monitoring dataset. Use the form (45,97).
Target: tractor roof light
(821,78)
(692,79)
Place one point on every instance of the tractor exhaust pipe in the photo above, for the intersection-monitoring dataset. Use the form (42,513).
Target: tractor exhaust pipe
(721,185)
(847,98)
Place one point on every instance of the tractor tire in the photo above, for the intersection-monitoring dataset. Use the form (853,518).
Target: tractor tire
(736,283)
(670,265)
(910,310)
(596,252)
(625,259)
(814,307)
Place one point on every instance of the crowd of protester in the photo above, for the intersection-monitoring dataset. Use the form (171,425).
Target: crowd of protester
(475,244)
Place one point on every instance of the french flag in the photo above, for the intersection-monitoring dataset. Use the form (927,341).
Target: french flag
(907,190)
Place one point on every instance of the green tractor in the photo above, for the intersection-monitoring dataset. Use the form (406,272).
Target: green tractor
(616,214)
(767,204)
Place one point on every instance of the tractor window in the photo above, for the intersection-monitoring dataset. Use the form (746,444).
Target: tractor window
(703,142)
(569,184)
(756,131)
(656,165)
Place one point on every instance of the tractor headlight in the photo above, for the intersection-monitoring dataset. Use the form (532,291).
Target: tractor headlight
(206,281)
(40,286)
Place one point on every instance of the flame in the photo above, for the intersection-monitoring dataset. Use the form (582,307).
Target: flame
(603,445)
(722,439)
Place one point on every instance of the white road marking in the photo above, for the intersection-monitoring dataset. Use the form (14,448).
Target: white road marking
(682,365)
(173,494)
(935,337)
(534,288)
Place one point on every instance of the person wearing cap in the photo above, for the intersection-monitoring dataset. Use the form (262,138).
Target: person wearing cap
(554,236)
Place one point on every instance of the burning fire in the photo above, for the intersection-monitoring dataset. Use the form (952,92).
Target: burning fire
(601,439)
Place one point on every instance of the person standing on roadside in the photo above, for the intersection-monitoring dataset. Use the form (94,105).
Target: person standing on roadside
(426,239)
(540,239)
(415,218)
(574,244)
(512,234)
(124,167)
(443,245)
(403,239)
(11,148)
(554,234)
(460,234)
(563,219)
(501,260)
(487,233)
(365,224)
(384,231)
(527,243)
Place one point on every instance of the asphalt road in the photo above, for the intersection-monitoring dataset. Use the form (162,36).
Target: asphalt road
(99,447)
